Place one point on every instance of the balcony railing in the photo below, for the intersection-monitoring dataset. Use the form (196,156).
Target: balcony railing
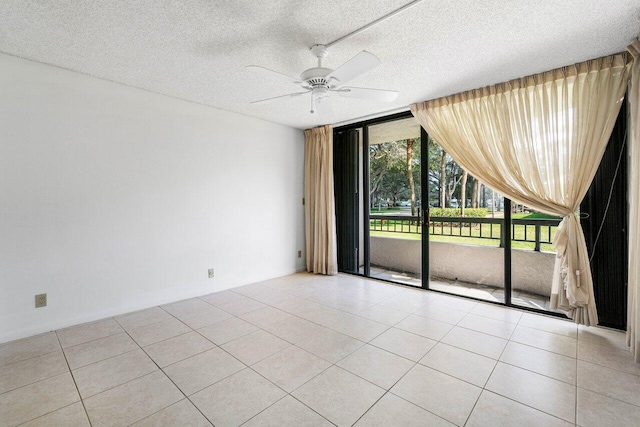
(536,231)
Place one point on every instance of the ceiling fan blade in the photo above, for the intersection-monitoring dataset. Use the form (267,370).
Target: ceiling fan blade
(289,95)
(267,73)
(359,64)
(368,94)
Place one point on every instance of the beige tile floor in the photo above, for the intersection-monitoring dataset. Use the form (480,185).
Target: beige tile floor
(305,350)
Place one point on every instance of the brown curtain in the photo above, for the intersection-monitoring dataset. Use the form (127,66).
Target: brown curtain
(319,213)
(633,309)
(539,140)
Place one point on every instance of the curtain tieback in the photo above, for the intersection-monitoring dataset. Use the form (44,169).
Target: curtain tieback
(567,243)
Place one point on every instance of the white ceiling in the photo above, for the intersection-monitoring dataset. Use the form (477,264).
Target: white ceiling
(197,50)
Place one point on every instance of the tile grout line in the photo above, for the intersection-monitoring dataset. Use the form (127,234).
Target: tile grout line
(542,349)
(575,385)
(324,326)
(265,409)
(509,340)
(253,370)
(489,376)
(167,376)
(51,412)
(162,340)
(607,367)
(388,391)
(311,321)
(292,344)
(307,406)
(245,367)
(609,397)
(416,363)
(441,342)
(537,373)
(94,340)
(166,407)
(513,400)
(483,388)
(528,406)
(30,358)
(102,360)
(138,311)
(286,392)
(335,364)
(371,319)
(90,341)
(36,381)
(74,380)
(354,314)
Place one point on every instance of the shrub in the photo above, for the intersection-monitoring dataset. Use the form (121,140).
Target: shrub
(456,212)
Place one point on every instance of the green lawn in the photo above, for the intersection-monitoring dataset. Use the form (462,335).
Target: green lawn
(534,215)
(385,210)
(470,235)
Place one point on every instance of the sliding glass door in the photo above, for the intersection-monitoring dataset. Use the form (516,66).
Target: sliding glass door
(408,213)
(466,231)
(394,201)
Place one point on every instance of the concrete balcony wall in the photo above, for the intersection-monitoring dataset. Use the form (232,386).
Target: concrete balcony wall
(531,271)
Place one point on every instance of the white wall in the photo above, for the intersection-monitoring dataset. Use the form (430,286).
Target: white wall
(115,199)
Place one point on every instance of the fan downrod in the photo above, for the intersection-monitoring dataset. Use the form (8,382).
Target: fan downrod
(319,51)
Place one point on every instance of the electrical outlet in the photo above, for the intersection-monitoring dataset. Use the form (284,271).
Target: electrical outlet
(41,300)
(299,254)
(210,273)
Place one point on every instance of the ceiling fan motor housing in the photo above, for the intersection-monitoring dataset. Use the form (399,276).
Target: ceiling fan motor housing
(316,81)
(316,75)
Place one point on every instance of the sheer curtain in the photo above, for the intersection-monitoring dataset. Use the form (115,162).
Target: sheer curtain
(633,308)
(539,140)
(319,213)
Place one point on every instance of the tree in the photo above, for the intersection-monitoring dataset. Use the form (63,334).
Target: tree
(394,186)
(412,186)
(394,169)
(475,193)
(435,180)
(443,180)
(453,176)
(463,192)
(383,158)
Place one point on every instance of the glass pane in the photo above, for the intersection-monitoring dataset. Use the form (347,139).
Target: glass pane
(466,256)
(532,256)
(395,194)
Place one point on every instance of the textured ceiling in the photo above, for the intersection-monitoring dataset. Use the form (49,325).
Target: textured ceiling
(197,50)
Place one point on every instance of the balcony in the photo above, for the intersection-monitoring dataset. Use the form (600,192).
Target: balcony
(466,255)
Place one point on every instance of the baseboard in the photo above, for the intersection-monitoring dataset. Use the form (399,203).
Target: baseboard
(30,332)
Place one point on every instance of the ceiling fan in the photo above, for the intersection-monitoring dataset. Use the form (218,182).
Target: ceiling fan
(321,82)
